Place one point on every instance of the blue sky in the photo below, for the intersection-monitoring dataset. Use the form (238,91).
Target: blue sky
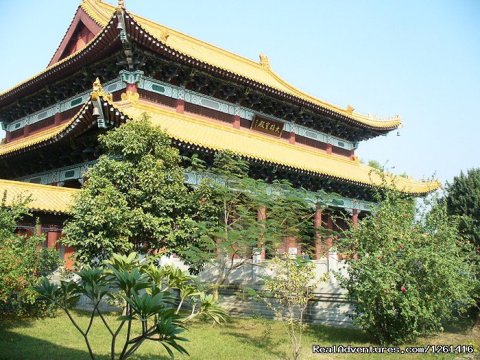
(418,59)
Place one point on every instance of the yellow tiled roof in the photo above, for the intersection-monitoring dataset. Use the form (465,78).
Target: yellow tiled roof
(42,197)
(33,139)
(260,72)
(220,58)
(216,136)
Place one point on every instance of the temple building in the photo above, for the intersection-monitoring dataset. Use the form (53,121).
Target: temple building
(207,99)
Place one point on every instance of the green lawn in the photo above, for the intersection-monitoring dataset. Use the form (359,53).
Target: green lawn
(56,338)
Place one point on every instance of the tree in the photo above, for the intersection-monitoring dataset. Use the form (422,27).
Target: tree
(463,200)
(409,272)
(147,294)
(134,197)
(287,292)
(230,230)
(22,262)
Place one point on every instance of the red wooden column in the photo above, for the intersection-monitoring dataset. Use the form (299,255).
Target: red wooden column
(58,118)
(52,238)
(68,257)
(291,137)
(261,217)
(355,217)
(236,118)
(291,242)
(26,130)
(329,148)
(180,106)
(317,224)
(236,121)
(180,102)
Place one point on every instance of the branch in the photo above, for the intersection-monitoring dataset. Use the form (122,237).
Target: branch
(129,329)
(179,306)
(85,336)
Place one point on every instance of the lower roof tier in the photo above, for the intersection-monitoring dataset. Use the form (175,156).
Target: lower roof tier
(199,131)
(41,198)
(203,132)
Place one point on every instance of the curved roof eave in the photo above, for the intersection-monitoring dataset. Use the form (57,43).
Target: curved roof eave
(42,198)
(98,44)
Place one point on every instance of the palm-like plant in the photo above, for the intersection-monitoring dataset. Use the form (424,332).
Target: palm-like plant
(147,294)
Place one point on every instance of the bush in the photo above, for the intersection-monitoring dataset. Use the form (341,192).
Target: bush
(409,271)
(22,262)
(463,199)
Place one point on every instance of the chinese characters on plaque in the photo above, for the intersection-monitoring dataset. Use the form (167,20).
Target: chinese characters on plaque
(267,126)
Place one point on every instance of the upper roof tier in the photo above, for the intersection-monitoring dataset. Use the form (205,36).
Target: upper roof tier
(187,47)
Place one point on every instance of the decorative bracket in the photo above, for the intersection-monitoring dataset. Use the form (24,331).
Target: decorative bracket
(131,77)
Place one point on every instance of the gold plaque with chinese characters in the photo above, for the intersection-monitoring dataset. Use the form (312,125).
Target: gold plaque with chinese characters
(267,126)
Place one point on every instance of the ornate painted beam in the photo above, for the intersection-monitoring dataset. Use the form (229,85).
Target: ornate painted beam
(193,178)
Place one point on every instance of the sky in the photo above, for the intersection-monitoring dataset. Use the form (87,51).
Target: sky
(417,59)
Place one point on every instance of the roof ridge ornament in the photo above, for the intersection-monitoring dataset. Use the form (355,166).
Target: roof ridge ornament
(97,103)
(350,109)
(164,35)
(98,90)
(264,61)
(120,6)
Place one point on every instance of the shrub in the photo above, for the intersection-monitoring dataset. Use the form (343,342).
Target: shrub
(287,292)
(409,271)
(22,262)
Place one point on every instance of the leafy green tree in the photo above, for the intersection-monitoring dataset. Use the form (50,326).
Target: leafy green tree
(409,272)
(230,232)
(134,197)
(463,200)
(22,262)
(147,294)
(289,214)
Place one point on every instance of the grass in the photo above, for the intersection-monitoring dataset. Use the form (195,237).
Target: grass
(242,338)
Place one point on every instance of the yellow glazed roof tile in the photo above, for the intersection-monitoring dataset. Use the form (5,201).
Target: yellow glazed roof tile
(33,139)
(99,11)
(215,136)
(42,197)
